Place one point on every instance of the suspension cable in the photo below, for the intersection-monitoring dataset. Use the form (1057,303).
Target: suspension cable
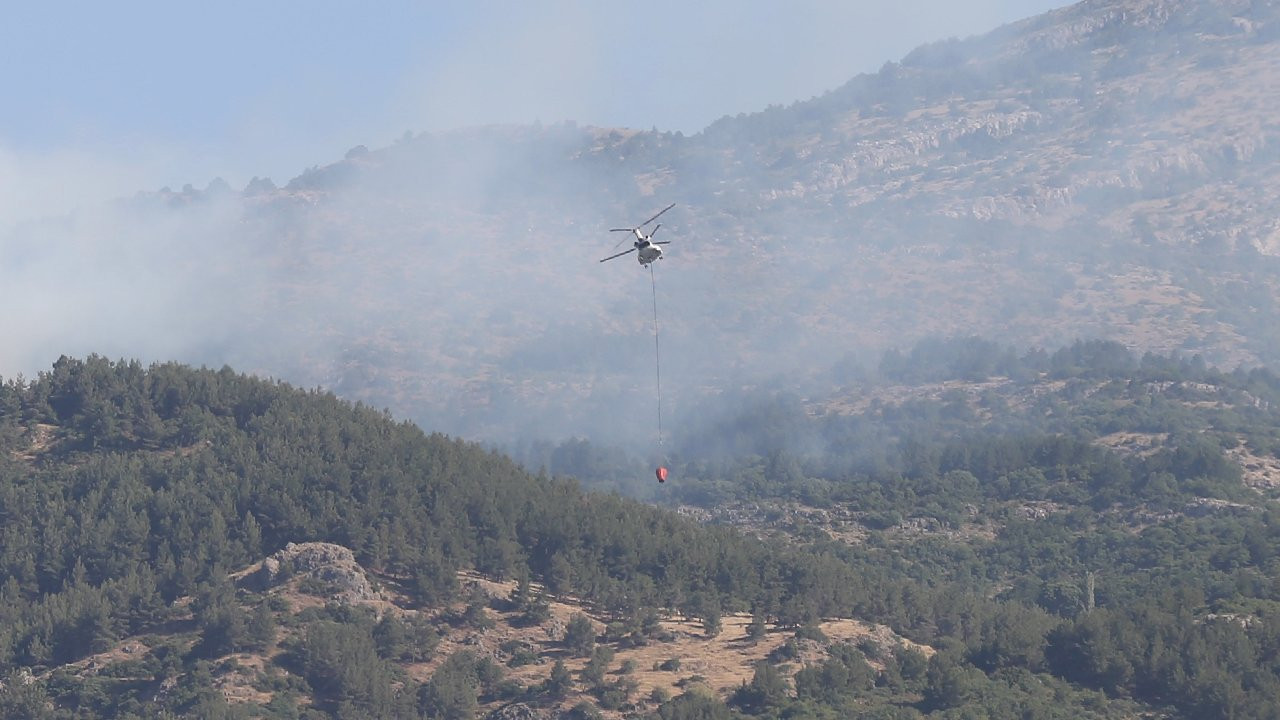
(657,355)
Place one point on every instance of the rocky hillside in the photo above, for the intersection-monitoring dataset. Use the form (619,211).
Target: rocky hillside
(290,595)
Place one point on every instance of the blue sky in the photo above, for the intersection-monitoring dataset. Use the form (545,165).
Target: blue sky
(104,99)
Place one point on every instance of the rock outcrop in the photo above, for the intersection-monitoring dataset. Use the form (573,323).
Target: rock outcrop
(331,564)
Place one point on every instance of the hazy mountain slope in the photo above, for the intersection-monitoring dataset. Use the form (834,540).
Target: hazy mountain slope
(1101,170)
(1104,170)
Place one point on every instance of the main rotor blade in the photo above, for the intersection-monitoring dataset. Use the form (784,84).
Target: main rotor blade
(624,252)
(654,231)
(655,217)
(625,230)
(660,242)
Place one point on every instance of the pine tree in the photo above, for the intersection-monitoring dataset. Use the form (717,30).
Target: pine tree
(559,682)
(580,635)
(261,630)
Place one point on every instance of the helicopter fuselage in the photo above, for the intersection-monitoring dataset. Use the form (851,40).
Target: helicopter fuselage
(647,252)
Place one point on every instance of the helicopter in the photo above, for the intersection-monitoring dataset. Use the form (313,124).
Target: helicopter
(648,247)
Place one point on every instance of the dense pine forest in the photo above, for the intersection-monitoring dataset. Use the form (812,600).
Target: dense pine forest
(1052,575)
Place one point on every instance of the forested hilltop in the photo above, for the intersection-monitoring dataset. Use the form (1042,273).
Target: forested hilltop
(131,494)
